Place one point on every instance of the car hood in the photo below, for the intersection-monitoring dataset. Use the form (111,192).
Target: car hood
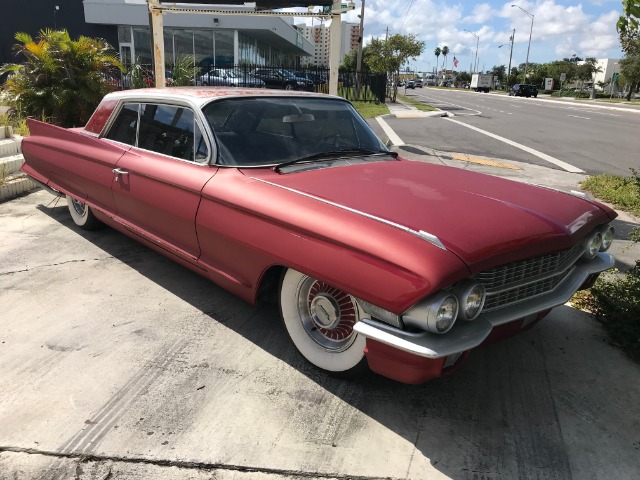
(484,220)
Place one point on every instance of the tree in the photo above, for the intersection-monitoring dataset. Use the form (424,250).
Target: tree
(389,55)
(628,23)
(629,31)
(61,79)
(350,59)
(463,77)
(630,67)
(500,72)
(437,53)
(445,52)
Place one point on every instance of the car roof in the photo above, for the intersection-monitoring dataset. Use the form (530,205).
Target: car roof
(202,95)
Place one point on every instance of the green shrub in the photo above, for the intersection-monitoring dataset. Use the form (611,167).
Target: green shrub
(60,79)
(615,302)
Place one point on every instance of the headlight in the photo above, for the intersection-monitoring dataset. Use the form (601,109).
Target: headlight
(607,237)
(437,314)
(592,245)
(471,295)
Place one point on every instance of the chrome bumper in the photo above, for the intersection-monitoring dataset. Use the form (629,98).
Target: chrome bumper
(467,335)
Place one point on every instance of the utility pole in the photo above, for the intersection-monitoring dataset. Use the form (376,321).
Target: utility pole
(156,24)
(359,60)
(334,51)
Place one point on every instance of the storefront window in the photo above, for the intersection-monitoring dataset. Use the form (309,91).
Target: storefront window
(224,48)
(142,43)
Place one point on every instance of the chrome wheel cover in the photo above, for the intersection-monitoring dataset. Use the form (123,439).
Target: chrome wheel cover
(327,314)
(79,207)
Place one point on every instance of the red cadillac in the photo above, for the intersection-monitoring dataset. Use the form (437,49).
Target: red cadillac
(401,265)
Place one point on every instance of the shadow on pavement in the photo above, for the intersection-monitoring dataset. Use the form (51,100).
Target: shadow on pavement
(495,418)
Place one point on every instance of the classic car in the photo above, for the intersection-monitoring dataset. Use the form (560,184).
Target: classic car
(404,266)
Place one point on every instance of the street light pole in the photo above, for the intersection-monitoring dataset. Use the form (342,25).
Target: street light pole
(475,62)
(526,64)
(55,22)
(613,81)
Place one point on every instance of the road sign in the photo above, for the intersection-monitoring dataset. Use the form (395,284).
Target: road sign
(563,77)
(344,8)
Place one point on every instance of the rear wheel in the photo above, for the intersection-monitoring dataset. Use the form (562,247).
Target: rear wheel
(82,215)
(319,319)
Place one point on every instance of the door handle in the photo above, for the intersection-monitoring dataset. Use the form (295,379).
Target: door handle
(119,172)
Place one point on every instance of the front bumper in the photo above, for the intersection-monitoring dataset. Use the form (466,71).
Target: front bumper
(467,335)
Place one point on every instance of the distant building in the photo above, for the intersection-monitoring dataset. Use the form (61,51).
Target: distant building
(320,38)
(607,67)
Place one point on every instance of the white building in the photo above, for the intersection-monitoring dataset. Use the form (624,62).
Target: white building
(607,67)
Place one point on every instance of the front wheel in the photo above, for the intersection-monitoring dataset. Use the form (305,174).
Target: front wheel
(319,319)
(82,215)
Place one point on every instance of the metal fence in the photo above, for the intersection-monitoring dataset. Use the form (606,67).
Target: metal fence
(370,88)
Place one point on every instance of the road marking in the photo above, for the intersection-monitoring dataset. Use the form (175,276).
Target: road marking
(576,116)
(543,156)
(482,161)
(395,139)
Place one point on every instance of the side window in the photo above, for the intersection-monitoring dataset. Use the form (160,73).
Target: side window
(171,130)
(125,125)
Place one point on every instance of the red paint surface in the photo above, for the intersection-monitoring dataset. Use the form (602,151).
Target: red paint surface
(406,367)
(100,116)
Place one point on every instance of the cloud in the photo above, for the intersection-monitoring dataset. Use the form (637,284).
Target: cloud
(560,27)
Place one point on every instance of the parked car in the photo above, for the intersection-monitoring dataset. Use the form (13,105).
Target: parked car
(521,90)
(283,79)
(404,265)
(533,90)
(316,78)
(229,77)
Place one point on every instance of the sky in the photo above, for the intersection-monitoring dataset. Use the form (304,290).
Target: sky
(560,29)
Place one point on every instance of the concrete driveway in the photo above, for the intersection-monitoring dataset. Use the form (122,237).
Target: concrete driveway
(117,363)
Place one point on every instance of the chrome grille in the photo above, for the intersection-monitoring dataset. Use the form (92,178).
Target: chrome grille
(525,279)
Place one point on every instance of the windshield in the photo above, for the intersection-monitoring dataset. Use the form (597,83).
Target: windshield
(263,131)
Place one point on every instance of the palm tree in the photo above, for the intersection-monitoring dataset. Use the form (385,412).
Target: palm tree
(437,53)
(445,52)
(61,80)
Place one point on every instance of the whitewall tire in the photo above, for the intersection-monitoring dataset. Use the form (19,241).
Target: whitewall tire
(319,319)
(81,214)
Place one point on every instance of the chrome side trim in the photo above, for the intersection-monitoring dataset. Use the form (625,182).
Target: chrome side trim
(468,335)
(418,233)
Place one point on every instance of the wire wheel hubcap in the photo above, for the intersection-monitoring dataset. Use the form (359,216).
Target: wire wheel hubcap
(327,314)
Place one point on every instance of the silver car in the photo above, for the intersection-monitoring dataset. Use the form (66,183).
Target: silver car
(227,77)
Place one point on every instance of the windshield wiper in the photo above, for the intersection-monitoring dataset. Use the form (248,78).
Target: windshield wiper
(335,154)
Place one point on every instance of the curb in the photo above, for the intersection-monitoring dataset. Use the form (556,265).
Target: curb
(415,113)
(16,186)
(13,181)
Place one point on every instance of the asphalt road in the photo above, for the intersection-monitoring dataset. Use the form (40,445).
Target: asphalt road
(593,139)
(117,363)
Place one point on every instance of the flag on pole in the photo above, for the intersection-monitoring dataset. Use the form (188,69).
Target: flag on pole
(455,62)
